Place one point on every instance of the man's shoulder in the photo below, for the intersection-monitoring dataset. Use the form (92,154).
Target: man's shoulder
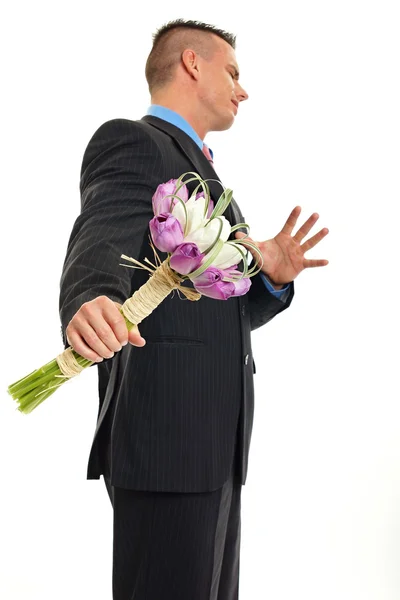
(117,128)
(115,134)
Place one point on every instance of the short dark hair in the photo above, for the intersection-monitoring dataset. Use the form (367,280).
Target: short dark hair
(170,41)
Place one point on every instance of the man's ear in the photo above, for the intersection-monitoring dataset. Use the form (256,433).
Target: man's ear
(190,62)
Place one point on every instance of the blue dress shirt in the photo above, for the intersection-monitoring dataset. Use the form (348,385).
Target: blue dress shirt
(176,119)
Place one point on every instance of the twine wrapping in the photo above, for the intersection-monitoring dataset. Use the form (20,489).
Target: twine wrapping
(163,280)
(69,367)
(136,308)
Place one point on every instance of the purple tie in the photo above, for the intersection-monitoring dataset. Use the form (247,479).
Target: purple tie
(207,153)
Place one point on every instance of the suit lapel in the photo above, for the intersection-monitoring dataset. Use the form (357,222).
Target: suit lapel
(201,164)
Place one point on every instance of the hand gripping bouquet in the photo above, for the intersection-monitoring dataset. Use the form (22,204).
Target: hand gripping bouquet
(194,234)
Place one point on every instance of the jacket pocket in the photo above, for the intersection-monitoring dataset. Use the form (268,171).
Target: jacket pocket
(254,366)
(174,339)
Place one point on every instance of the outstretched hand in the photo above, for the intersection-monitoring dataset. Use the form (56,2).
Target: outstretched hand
(284,254)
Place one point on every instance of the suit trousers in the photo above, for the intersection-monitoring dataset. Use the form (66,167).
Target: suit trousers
(174,545)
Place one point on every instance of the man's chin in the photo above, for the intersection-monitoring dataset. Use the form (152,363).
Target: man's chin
(225,123)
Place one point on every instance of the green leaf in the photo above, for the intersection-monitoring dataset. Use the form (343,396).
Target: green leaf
(218,246)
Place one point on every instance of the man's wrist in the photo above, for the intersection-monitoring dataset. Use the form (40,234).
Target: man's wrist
(277,286)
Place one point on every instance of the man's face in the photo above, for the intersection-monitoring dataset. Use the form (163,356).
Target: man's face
(219,88)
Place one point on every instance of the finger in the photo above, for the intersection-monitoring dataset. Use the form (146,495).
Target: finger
(135,338)
(93,327)
(97,334)
(318,262)
(246,245)
(291,220)
(240,234)
(313,241)
(79,345)
(304,229)
(112,315)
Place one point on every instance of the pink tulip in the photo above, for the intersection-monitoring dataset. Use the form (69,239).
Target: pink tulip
(242,286)
(166,232)
(162,204)
(186,258)
(210,284)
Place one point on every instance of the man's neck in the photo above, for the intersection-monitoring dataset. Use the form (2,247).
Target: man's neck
(189,113)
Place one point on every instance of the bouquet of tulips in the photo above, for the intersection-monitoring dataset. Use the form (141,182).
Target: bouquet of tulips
(195,235)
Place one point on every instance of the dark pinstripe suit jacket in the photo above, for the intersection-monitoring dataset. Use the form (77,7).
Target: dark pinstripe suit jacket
(169,412)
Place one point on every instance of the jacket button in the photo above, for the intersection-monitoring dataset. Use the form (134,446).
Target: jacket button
(246,359)
(243,310)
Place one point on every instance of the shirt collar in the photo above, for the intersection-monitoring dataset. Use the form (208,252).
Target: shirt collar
(156,110)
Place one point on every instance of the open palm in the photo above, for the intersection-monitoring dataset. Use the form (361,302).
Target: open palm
(284,254)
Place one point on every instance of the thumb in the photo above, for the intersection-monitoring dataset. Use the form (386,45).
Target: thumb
(239,235)
(135,338)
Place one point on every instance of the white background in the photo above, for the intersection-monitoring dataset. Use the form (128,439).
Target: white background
(321,128)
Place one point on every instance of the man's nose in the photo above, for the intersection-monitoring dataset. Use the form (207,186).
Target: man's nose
(242,94)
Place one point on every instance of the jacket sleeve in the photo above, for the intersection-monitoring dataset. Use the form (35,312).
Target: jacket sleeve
(263,305)
(121,169)
(281,294)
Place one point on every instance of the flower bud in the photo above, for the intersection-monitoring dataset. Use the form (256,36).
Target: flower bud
(162,204)
(210,284)
(166,232)
(210,204)
(186,258)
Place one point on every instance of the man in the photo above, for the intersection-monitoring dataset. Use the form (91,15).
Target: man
(176,406)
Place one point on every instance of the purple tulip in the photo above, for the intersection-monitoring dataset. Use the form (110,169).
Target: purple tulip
(210,204)
(166,232)
(186,258)
(210,284)
(161,204)
(229,270)
(242,286)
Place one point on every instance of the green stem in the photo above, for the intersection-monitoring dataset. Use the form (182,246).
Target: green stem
(26,405)
(25,391)
(34,386)
(33,389)
(129,324)
(52,366)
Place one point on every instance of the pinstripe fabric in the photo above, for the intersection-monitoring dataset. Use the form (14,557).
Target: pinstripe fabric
(168,412)
(176,546)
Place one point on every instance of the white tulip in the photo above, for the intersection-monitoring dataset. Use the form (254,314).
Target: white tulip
(204,236)
(195,214)
(228,256)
